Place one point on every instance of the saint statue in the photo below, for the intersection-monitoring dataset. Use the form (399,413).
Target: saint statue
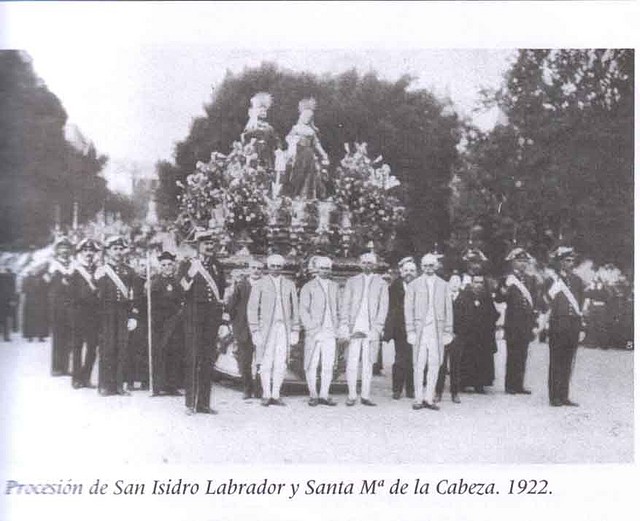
(304,148)
(260,132)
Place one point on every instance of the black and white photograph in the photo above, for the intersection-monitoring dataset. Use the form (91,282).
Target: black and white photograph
(239,269)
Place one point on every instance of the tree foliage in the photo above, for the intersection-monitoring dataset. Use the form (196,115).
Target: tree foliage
(39,168)
(416,133)
(561,167)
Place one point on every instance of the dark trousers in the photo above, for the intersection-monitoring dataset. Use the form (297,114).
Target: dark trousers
(517,352)
(204,323)
(85,339)
(167,355)
(4,323)
(452,359)
(402,371)
(61,340)
(245,359)
(562,352)
(113,361)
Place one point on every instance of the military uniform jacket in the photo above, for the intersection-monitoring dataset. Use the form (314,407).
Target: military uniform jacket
(59,277)
(111,296)
(563,316)
(520,316)
(200,291)
(84,295)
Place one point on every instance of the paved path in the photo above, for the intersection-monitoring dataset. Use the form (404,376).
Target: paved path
(44,421)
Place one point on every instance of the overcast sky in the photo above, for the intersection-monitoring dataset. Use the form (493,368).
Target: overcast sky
(132,76)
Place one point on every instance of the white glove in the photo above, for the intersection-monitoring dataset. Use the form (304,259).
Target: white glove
(257,339)
(582,336)
(226,317)
(447,338)
(132,323)
(294,336)
(411,338)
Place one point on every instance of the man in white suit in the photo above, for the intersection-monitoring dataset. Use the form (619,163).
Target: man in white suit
(429,319)
(365,301)
(272,313)
(319,317)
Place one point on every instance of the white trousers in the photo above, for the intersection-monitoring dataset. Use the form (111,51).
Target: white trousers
(429,357)
(359,348)
(274,362)
(324,352)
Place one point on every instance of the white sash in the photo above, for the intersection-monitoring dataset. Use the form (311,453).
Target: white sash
(86,276)
(116,280)
(559,286)
(207,277)
(56,265)
(515,281)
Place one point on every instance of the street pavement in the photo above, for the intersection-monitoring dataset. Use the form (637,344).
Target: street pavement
(46,422)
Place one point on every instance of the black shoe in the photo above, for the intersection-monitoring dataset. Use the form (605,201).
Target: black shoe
(417,406)
(365,401)
(569,403)
(123,392)
(480,390)
(455,398)
(313,402)
(58,373)
(350,402)
(523,391)
(246,396)
(327,401)
(395,395)
(206,410)
(277,401)
(174,392)
(510,391)
(432,406)
(77,385)
(438,398)
(556,403)
(88,385)
(265,402)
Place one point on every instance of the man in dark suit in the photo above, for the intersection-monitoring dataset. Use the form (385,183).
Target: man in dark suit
(167,334)
(395,329)
(519,293)
(203,282)
(566,298)
(237,307)
(58,277)
(86,316)
(120,293)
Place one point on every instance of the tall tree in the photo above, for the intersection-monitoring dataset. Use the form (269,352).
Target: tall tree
(39,169)
(561,166)
(415,132)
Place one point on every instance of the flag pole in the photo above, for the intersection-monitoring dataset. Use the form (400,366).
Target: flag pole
(149,328)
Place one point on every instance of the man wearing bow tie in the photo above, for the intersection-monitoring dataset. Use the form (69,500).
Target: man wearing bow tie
(274,322)
(203,283)
(566,299)
(365,302)
(429,322)
(86,313)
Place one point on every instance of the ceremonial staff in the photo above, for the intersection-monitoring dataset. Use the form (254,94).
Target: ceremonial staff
(149,328)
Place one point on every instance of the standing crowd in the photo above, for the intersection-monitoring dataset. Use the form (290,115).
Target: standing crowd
(109,311)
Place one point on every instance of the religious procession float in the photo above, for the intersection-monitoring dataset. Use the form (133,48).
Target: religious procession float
(268,195)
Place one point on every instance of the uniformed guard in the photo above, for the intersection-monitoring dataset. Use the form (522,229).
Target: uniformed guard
(86,313)
(518,291)
(395,329)
(58,276)
(119,292)
(566,298)
(202,280)
(167,332)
